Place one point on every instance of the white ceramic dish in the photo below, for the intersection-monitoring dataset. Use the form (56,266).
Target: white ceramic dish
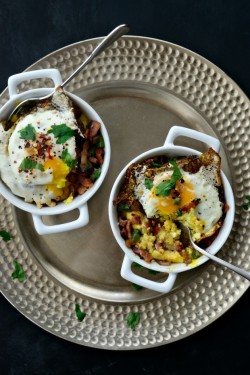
(171,150)
(79,202)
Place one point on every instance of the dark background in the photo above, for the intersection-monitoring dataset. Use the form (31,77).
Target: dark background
(219,31)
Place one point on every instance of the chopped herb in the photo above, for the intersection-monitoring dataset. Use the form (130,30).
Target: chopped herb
(96,174)
(19,272)
(6,236)
(194,254)
(137,265)
(66,157)
(100,142)
(148,183)
(153,272)
(28,133)
(137,287)
(136,235)
(80,314)
(123,206)
(155,165)
(133,319)
(165,187)
(247,205)
(177,201)
(30,164)
(178,212)
(62,132)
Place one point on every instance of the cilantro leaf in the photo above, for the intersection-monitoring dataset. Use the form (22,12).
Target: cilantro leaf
(133,319)
(96,174)
(28,133)
(148,183)
(137,287)
(247,205)
(62,132)
(123,206)
(136,235)
(165,187)
(30,164)
(66,157)
(19,272)
(80,314)
(6,236)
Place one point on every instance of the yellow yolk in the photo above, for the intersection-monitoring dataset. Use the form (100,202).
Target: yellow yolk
(167,205)
(59,171)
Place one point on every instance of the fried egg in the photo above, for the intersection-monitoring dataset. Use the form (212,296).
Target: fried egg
(32,163)
(194,200)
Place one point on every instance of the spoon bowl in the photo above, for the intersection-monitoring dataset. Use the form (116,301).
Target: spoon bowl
(187,237)
(107,41)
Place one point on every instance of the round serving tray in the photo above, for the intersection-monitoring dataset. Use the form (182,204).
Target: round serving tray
(140,87)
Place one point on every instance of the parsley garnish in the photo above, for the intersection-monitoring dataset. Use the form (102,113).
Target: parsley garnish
(123,206)
(165,187)
(66,157)
(137,287)
(80,314)
(96,174)
(28,133)
(133,319)
(148,183)
(19,272)
(136,235)
(152,272)
(100,142)
(247,205)
(6,236)
(30,164)
(156,165)
(62,132)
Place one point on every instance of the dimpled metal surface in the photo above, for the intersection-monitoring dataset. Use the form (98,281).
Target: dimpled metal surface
(149,66)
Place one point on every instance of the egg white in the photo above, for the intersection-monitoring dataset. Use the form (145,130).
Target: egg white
(32,185)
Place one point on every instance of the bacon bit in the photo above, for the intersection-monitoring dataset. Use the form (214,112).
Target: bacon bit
(226,207)
(84,154)
(81,189)
(192,204)
(136,219)
(99,155)
(93,160)
(86,182)
(145,255)
(93,129)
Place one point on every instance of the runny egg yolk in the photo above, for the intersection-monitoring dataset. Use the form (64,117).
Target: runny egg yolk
(168,205)
(59,172)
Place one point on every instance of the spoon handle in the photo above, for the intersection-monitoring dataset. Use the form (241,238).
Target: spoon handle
(109,39)
(222,262)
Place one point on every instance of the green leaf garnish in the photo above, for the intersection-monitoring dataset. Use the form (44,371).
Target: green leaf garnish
(66,157)
(19,272)
(165,187)
(28,133)
(80,314)
(100,142)
(30,164)
(96,174)
(133,319)
(177,201)
(136,235)
(6,236)
(62,132)
(156,165)
(247,205)
(148,183)
(123,206)
(153,272)
(137,265)
(137,287)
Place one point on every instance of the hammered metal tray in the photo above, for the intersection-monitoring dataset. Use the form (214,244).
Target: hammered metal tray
(140,87)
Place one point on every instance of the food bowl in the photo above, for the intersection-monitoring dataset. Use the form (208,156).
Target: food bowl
(80,201)
(170,150)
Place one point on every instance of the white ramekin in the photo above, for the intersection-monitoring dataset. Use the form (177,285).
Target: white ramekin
(170,150)
(80,201)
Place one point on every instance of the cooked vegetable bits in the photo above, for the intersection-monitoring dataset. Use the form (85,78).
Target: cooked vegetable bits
(158,194)
(52,153)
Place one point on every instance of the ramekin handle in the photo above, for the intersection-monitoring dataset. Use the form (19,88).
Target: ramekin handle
(128,274)
(80,222)
(177,131)
(16,79)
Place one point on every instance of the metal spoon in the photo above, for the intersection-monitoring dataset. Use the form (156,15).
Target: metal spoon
(109,39)
(186,234)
